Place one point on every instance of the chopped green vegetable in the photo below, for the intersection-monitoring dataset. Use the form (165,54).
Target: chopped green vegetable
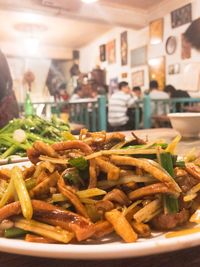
(19,134)
(162,145)
(10,151)
(180,164)
(170,202)
(167,163)
(14,232)
(30,183)
(73,178)
(22,193)
(80,163)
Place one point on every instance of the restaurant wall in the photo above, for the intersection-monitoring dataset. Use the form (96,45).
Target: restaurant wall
(39,67)
(89,55)
(186,79)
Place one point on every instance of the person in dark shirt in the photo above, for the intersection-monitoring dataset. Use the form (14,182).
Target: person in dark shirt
(174,93)
(8,104)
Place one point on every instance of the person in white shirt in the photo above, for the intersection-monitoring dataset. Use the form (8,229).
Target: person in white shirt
(77,95)
(155,93)
(118,105)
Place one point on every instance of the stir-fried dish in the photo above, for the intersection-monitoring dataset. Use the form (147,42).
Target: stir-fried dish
(96,185)
(19,134)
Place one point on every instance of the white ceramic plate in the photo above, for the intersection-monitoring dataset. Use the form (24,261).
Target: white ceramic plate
(13,159)
(104,249)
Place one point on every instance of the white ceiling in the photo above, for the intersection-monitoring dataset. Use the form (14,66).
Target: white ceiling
(60,32)
(73,24)
(143,4)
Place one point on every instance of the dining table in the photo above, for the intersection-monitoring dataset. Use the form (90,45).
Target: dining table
(185,258)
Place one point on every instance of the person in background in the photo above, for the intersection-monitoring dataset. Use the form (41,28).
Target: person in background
(8,104)
(137,91)
(78,94)
(94,94)
(118,105)
(155,93)
(174,93)
(63,95)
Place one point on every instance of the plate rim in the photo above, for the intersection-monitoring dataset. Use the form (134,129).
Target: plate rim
(99,251)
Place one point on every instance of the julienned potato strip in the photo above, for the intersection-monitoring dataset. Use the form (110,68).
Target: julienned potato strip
(121,226)
(148,167)
(23,195)
(44,230)
(125,192)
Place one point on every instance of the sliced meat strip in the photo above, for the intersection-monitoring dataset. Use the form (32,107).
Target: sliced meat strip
(68,192)
(45,149)
(158,188)
(75,144)
(104,205)
(186,182)
(117,196)
(82,227)
(93,174)
(149,166)
(193,170)
(112,171)
(33,155)
(170,221)
(102,228)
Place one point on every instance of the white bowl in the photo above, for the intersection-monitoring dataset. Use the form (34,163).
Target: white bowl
(188,123)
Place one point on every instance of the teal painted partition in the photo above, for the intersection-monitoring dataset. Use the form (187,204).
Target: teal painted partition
(146,112)
(93,114)
(102,116)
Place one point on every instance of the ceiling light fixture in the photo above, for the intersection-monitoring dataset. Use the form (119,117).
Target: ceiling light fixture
(89,1)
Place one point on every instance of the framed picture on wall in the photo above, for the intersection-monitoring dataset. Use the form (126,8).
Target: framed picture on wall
(171,69)
(157,71)
(177,68)
(174,69)
(181,16)
(124,48)
(156,31)
(137,78)
(139,56)
(185,48)
(102,52)
(124,75)
(111,52)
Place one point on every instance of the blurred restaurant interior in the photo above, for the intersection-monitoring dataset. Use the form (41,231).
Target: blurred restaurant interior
(68,58)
